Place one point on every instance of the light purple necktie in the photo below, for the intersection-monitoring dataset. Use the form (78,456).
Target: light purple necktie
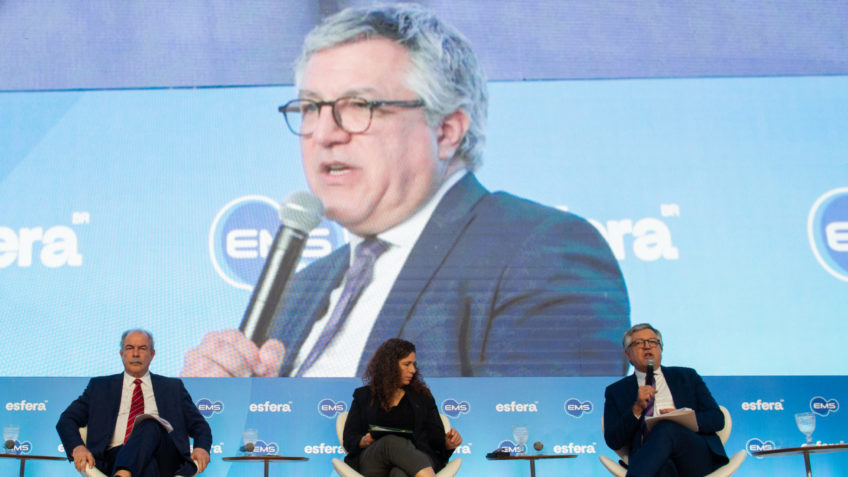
(357,277)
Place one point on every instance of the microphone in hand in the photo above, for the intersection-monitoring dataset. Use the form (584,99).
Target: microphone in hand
(650,364)
(300,213)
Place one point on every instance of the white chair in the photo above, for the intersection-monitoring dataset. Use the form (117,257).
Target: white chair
(94,471)
(724,471)
(345,470)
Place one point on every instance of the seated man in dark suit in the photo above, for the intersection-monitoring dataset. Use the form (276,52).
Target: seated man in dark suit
(669,449)
(119,446)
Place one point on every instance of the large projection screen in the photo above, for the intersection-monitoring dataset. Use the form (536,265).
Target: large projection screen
(706,142)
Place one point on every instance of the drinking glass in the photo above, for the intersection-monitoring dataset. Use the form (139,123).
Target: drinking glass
(521,434)
(250,436)
(806,422)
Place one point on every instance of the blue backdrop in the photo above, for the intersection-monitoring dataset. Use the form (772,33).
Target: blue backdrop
(296,417)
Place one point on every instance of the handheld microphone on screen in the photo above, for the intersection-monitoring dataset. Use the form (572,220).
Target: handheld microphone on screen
(300,213)
(650,364)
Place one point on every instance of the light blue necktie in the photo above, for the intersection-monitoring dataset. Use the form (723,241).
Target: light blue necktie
(357,277)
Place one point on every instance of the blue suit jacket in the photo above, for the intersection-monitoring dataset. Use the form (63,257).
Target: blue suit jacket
(495,286)
(98,406)
(622,428)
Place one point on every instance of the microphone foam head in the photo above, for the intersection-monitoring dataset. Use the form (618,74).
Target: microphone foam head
(538,445)
(9,444)
(302,211)
(249,447)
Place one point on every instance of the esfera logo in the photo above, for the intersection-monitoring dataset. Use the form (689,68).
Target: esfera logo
(648,238)
(52,247)
(323,448)
(330,409)
(822,406)
(755,445)
(242,233)
(760,405)
(827,231)
(576,408)
(453,408)
(517,407)
(208,408)
(24,405)
(269,406)
(572,448)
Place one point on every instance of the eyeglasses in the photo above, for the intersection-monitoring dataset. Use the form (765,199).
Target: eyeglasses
(352,114)
(651,343)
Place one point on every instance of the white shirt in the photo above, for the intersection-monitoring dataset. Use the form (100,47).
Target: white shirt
(663,398)
(126,401)
(341,357)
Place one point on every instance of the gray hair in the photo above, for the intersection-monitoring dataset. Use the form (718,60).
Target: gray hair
(625,341)
(138,330)
(445,72)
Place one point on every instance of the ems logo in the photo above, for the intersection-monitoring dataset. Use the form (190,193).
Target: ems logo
(208,408)
(242,234)
(19,447)
(330,409)
(265,448)
(827,231)
(511,447)
(574,408)
(453,408)
(822,406)
(756,445)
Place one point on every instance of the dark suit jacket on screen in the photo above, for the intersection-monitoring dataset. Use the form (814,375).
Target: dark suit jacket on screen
(495,286)
(428,433)
(622,428)
(98,406)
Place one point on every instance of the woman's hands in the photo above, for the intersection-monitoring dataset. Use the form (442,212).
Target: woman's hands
(366,440)
(452,439)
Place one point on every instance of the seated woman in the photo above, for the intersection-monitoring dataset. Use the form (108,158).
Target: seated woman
(396,397)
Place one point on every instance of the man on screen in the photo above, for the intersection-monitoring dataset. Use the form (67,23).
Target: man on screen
(668,449)
(391,113)
(118,444)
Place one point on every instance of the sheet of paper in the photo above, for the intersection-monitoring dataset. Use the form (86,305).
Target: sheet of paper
(141,417)
(683,416)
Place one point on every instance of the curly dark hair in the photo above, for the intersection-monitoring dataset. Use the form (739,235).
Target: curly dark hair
(383,372)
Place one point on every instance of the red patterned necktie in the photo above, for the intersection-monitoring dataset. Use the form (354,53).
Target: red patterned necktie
(136,407)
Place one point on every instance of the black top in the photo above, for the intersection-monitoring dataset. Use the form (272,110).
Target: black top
(428,433)
(400,416)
